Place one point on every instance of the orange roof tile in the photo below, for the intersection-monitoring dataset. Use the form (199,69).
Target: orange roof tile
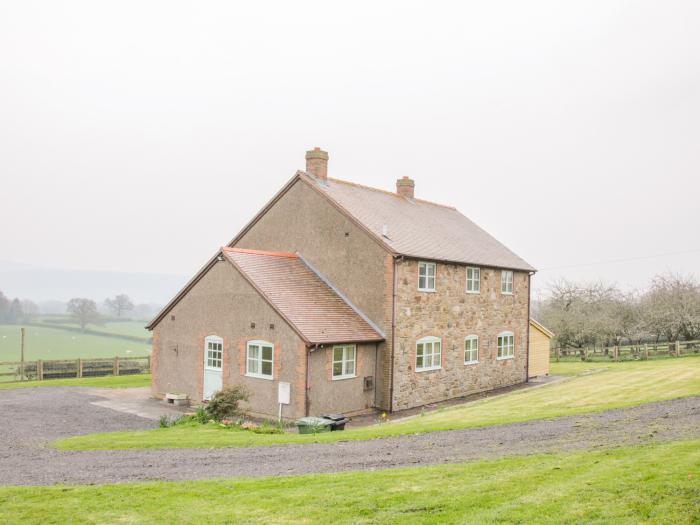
(301,296)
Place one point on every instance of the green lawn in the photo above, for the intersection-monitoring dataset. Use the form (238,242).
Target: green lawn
(131,328)
(612,385)
(54,343)
(130,381)
(644,484)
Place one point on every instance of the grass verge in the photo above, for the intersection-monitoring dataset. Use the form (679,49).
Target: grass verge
(130,381)
(645,484)
(613,387)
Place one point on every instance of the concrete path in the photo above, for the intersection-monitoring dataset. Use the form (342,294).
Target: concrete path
(137,401)
(34,417)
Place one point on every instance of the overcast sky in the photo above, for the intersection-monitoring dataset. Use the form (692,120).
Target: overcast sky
(140,136)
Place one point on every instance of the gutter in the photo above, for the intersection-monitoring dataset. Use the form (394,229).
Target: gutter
(527,338)
(393,332)
(307,353)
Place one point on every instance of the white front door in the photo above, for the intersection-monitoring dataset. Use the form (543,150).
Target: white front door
(213,364)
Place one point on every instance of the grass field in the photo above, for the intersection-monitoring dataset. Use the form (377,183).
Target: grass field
(130,381)
(130,328)
(54,343)
(591,388)
(645,484)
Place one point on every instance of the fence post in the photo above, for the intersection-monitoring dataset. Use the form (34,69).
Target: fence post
(616,352)
(646,352)
(585,353)
(116,366)
(40,370)
(79,368)
(678,348)
(21,359)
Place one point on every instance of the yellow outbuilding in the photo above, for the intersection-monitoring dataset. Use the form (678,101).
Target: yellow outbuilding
(538,353)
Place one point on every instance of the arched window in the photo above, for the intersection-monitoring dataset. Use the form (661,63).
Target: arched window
(471,349)
(506,345)
(260,358)
(428,354)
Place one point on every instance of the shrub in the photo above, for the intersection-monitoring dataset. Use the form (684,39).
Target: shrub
(224,404)
(200,415)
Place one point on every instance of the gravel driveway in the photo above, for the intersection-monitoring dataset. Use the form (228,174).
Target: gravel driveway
(33,417)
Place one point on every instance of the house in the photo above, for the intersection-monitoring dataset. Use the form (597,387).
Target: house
(356,297)
(539,349)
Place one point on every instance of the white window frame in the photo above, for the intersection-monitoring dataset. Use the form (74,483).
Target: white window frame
(430,340)
(472,339)
(344,361)
(507,282)
(424,265)
(473,281)
(259,360)
(502,349)
(214,339)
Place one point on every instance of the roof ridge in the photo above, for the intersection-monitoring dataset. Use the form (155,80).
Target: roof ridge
(363,186)
(261,252)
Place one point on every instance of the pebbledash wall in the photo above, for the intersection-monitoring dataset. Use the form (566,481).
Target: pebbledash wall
(451,314)
(303,221)
(223,303)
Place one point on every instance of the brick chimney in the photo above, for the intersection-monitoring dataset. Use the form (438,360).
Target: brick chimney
(317,163)
(405,187)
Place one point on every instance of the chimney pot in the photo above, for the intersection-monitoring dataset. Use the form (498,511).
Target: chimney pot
(317,163)
(405,187)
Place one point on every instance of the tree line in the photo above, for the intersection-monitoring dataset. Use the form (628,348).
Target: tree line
(84,311)
(600,314)
(16,310)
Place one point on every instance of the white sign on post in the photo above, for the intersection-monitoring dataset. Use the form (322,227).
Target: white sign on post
(283,393)
(283,396)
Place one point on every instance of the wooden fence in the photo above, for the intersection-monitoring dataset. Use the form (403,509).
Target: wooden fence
(63,368)
(638,352)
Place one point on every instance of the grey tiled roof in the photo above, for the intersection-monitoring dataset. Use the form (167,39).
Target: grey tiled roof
(420,229)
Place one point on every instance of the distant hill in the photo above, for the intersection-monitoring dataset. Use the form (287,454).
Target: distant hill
(41,284)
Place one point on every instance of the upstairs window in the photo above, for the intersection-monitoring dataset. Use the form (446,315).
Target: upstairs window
(473,280)
(428,354)
(259,359)
(426,276)
(506,345)
(344,359)
(507,282)
(471,349)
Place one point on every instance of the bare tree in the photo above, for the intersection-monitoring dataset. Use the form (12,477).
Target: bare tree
(29,309)
(120,304)
(598,313)
(4,307)
(582,314)
(673,307)
(84,311)
(15,314)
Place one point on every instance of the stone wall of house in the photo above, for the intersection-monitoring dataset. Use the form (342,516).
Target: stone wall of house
(451,314)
